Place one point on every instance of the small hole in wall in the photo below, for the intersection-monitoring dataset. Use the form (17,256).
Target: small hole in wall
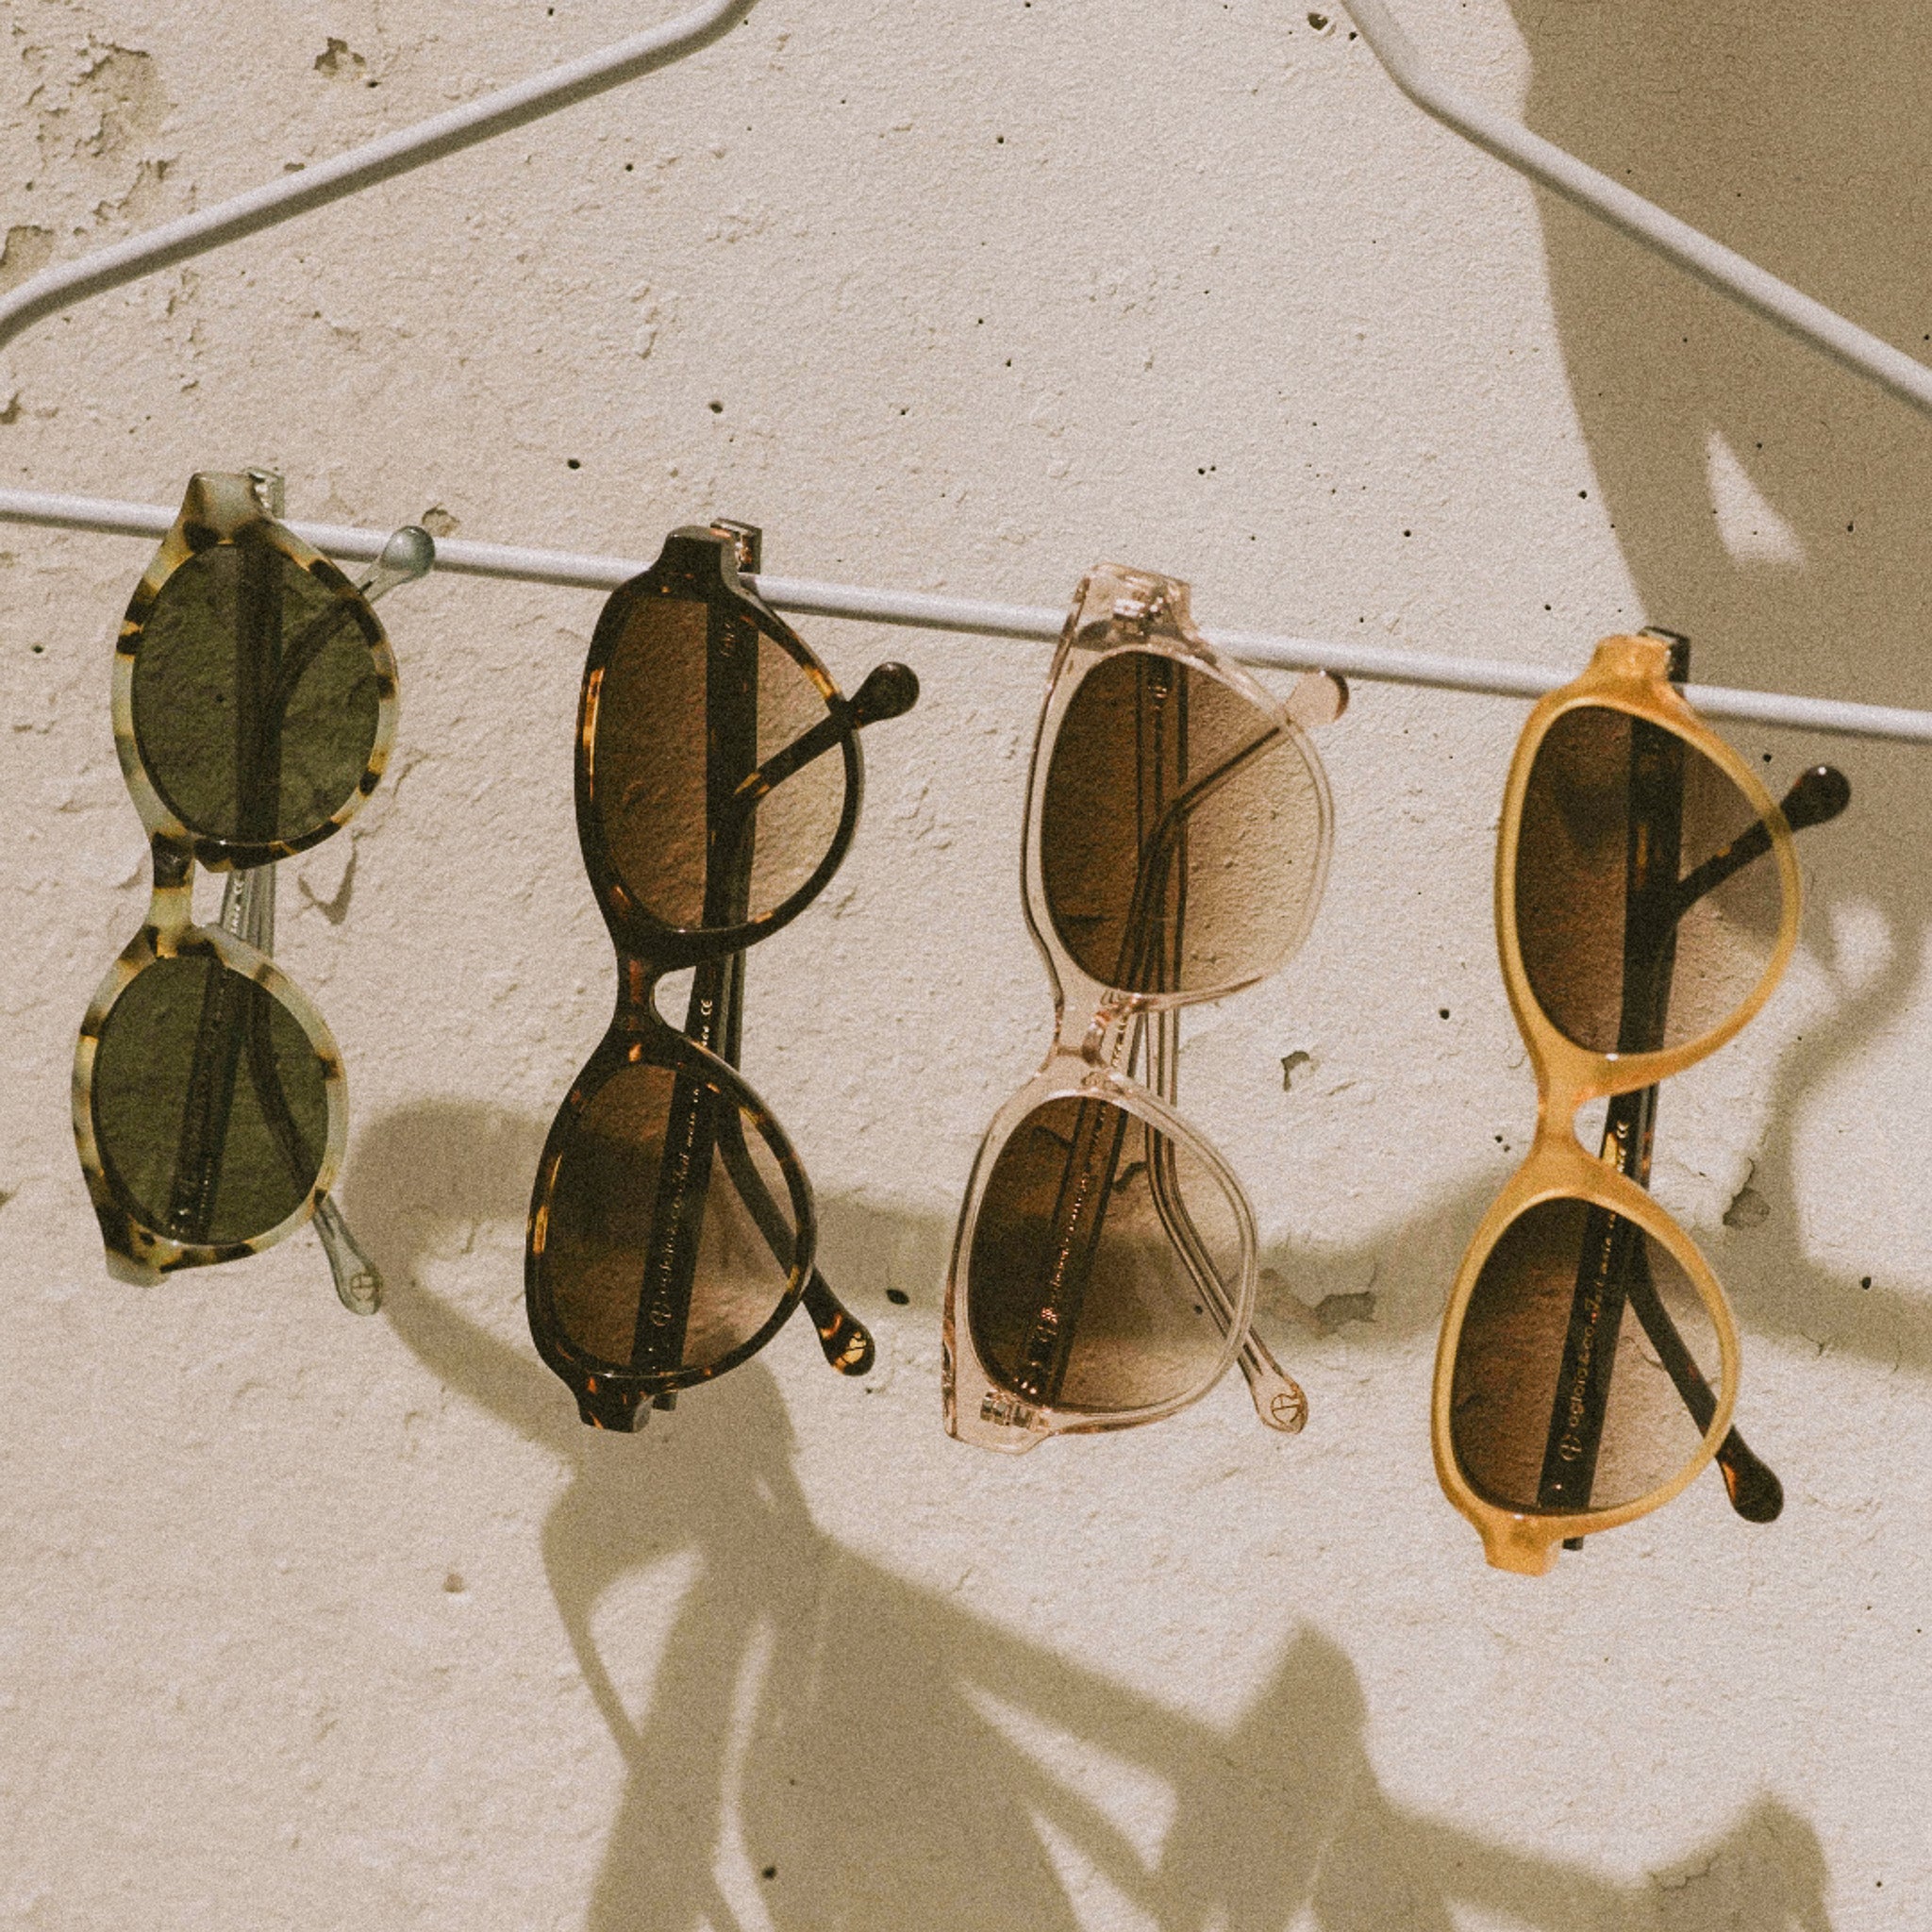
(899,1297)
(770,1871)
(572,463)
(453,1584)
(1442,1012)
(1864,1281)
(38,649)
(716,407)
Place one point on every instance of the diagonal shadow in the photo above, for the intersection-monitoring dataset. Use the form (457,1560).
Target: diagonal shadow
(1767,503)
(862,1755)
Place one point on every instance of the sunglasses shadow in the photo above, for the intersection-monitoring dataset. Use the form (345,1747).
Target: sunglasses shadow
(872,1756)
(1766,503)
(1390,1291)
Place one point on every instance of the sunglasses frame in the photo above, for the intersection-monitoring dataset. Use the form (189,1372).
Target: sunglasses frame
(702,562)
(1118,610)
(216,509)
(1627,675)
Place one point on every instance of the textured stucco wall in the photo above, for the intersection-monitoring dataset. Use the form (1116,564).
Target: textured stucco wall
(312,1622)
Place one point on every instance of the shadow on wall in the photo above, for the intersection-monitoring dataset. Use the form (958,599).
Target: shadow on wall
(1767,504)
(874,1757)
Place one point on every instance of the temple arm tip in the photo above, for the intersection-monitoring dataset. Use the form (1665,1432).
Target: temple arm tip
(889,690)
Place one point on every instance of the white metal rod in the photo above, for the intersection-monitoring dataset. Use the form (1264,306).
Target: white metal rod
(1711,262)
(1038,622)
(67,283)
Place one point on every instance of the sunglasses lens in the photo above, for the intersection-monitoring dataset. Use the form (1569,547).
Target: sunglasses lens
(1181,840)
(1624,953)
(211,1106)
(672,1237)
(692,704)
(1101,1254)
(256,694)
(1572,1367)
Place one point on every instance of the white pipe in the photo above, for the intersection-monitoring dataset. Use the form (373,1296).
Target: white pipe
(1718,267)
(66,283)
(1040,623)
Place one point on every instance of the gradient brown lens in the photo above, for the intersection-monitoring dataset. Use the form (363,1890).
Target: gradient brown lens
(1621,820)
(671,1230)
(1101,1254)
(257,696)
(692,702)
(1180,839)
(211,1104)
(1568,1385)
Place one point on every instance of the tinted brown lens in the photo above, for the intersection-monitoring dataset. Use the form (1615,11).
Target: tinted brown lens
(256,695)
(1571,1369)
(210,1105)
(692,703)
(1622,824)
(672,1232)
(1180,837)
(1105,1264)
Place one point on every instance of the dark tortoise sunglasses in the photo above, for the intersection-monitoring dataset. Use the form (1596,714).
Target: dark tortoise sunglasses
(718,780)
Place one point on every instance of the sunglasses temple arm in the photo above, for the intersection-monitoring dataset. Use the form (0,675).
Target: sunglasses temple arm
(842,1337)
(409,553)
(889,690)
(1279,1399)
(1819,796)
(248,911)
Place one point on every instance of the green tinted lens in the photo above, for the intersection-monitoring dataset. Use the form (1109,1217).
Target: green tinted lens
(257,694)
(211,1104)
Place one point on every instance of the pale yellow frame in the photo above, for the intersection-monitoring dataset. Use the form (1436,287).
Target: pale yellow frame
(1631,674)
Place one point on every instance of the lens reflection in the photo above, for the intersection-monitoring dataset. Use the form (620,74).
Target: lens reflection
(257,697)
(1568,1391)
(1180,832)
(692,702)
(1105,1264)
(1624,950)
(210,1105)
(671,1233)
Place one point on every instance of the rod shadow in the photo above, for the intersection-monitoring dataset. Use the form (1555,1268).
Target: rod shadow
(865,1754)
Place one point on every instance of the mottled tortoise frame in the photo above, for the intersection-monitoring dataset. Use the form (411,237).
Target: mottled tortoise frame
(243,661)
(1103,1269)
(1611,1252)
(614,1303)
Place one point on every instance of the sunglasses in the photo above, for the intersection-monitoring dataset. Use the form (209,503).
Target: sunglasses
(1647,903)
(718,780)
(1177,834)
(255,704)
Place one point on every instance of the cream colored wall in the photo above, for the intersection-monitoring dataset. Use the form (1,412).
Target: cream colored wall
(312,1622)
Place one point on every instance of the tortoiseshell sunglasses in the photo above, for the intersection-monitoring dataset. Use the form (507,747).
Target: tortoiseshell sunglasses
(1646,905)
(1177,834)
(718,780)
(255,704)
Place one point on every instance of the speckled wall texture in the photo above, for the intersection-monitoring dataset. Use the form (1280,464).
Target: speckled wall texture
(312,1621)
